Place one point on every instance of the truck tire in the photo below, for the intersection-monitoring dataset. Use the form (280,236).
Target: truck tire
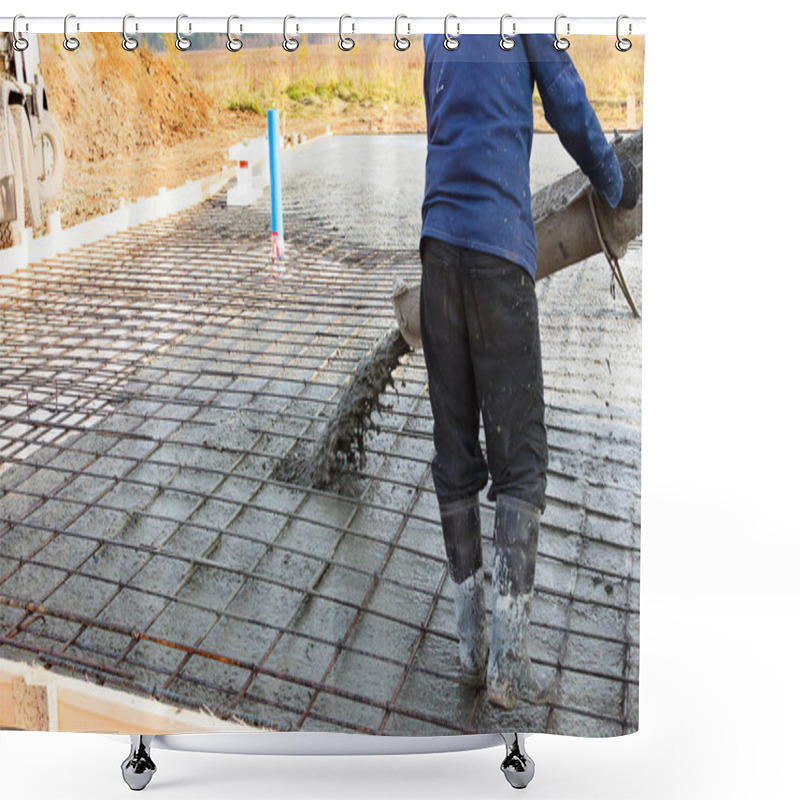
(33,211)
(11,232)
(51,170)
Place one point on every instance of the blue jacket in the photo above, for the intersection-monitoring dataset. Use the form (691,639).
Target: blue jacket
(479,105)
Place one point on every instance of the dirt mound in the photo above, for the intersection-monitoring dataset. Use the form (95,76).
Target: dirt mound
(132,123)
(110,102)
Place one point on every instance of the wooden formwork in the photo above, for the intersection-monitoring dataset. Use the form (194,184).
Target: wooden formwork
(33,698)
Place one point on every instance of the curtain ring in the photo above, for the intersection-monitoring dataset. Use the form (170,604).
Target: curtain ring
(561,43)
(70,43)
(20,42)
(623,45)
(345,42)
(181,42)
(129,43)
(401,43)
(451,42)
(290,44)
(234,43)
(506,42)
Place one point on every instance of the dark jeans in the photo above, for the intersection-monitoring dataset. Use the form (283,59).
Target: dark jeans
(480,334)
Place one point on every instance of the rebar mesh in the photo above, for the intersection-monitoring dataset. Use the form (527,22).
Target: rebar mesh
(150,384)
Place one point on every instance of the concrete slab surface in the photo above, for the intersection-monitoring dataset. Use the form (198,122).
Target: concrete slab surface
(151,382)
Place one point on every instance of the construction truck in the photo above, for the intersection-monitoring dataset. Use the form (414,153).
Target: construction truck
(31,146)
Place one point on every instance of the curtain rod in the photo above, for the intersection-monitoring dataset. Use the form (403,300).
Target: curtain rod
(630,26)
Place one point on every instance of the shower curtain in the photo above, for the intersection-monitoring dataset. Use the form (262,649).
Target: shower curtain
(218,483)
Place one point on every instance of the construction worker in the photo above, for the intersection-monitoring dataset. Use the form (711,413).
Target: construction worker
(480,327)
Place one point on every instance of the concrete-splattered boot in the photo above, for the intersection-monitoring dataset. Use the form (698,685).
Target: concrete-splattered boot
(461,525)
(516,538)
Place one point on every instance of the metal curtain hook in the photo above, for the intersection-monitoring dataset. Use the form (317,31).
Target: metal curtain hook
(345,42)
(181,42)
(71,43)
(451,42)
(506,42)
(234,43)
(623,45)
(401,42)
(20,42)
(290,44)
(129,43)
(561,43)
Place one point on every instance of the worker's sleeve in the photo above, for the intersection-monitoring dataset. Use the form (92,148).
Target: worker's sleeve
(426,81)
(570,114)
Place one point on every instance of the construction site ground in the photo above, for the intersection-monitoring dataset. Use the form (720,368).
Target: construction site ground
(151,382)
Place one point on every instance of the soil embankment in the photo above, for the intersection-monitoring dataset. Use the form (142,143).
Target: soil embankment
(132,123)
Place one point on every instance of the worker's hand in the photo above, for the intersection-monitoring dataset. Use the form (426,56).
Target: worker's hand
(631,184)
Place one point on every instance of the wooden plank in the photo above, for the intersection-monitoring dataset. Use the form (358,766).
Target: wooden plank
(30,706)
(36,699)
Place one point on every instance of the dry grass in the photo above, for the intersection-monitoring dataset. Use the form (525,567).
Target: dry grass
(611,78)
(319,82)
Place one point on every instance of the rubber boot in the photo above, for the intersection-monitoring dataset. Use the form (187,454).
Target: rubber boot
(516,537)
(473,643)
(461,525)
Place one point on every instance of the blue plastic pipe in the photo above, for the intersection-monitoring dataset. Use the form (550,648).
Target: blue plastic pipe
(276,195)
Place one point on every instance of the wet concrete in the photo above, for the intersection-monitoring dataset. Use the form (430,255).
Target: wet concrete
(342,444)
(166,516)
(369,189)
